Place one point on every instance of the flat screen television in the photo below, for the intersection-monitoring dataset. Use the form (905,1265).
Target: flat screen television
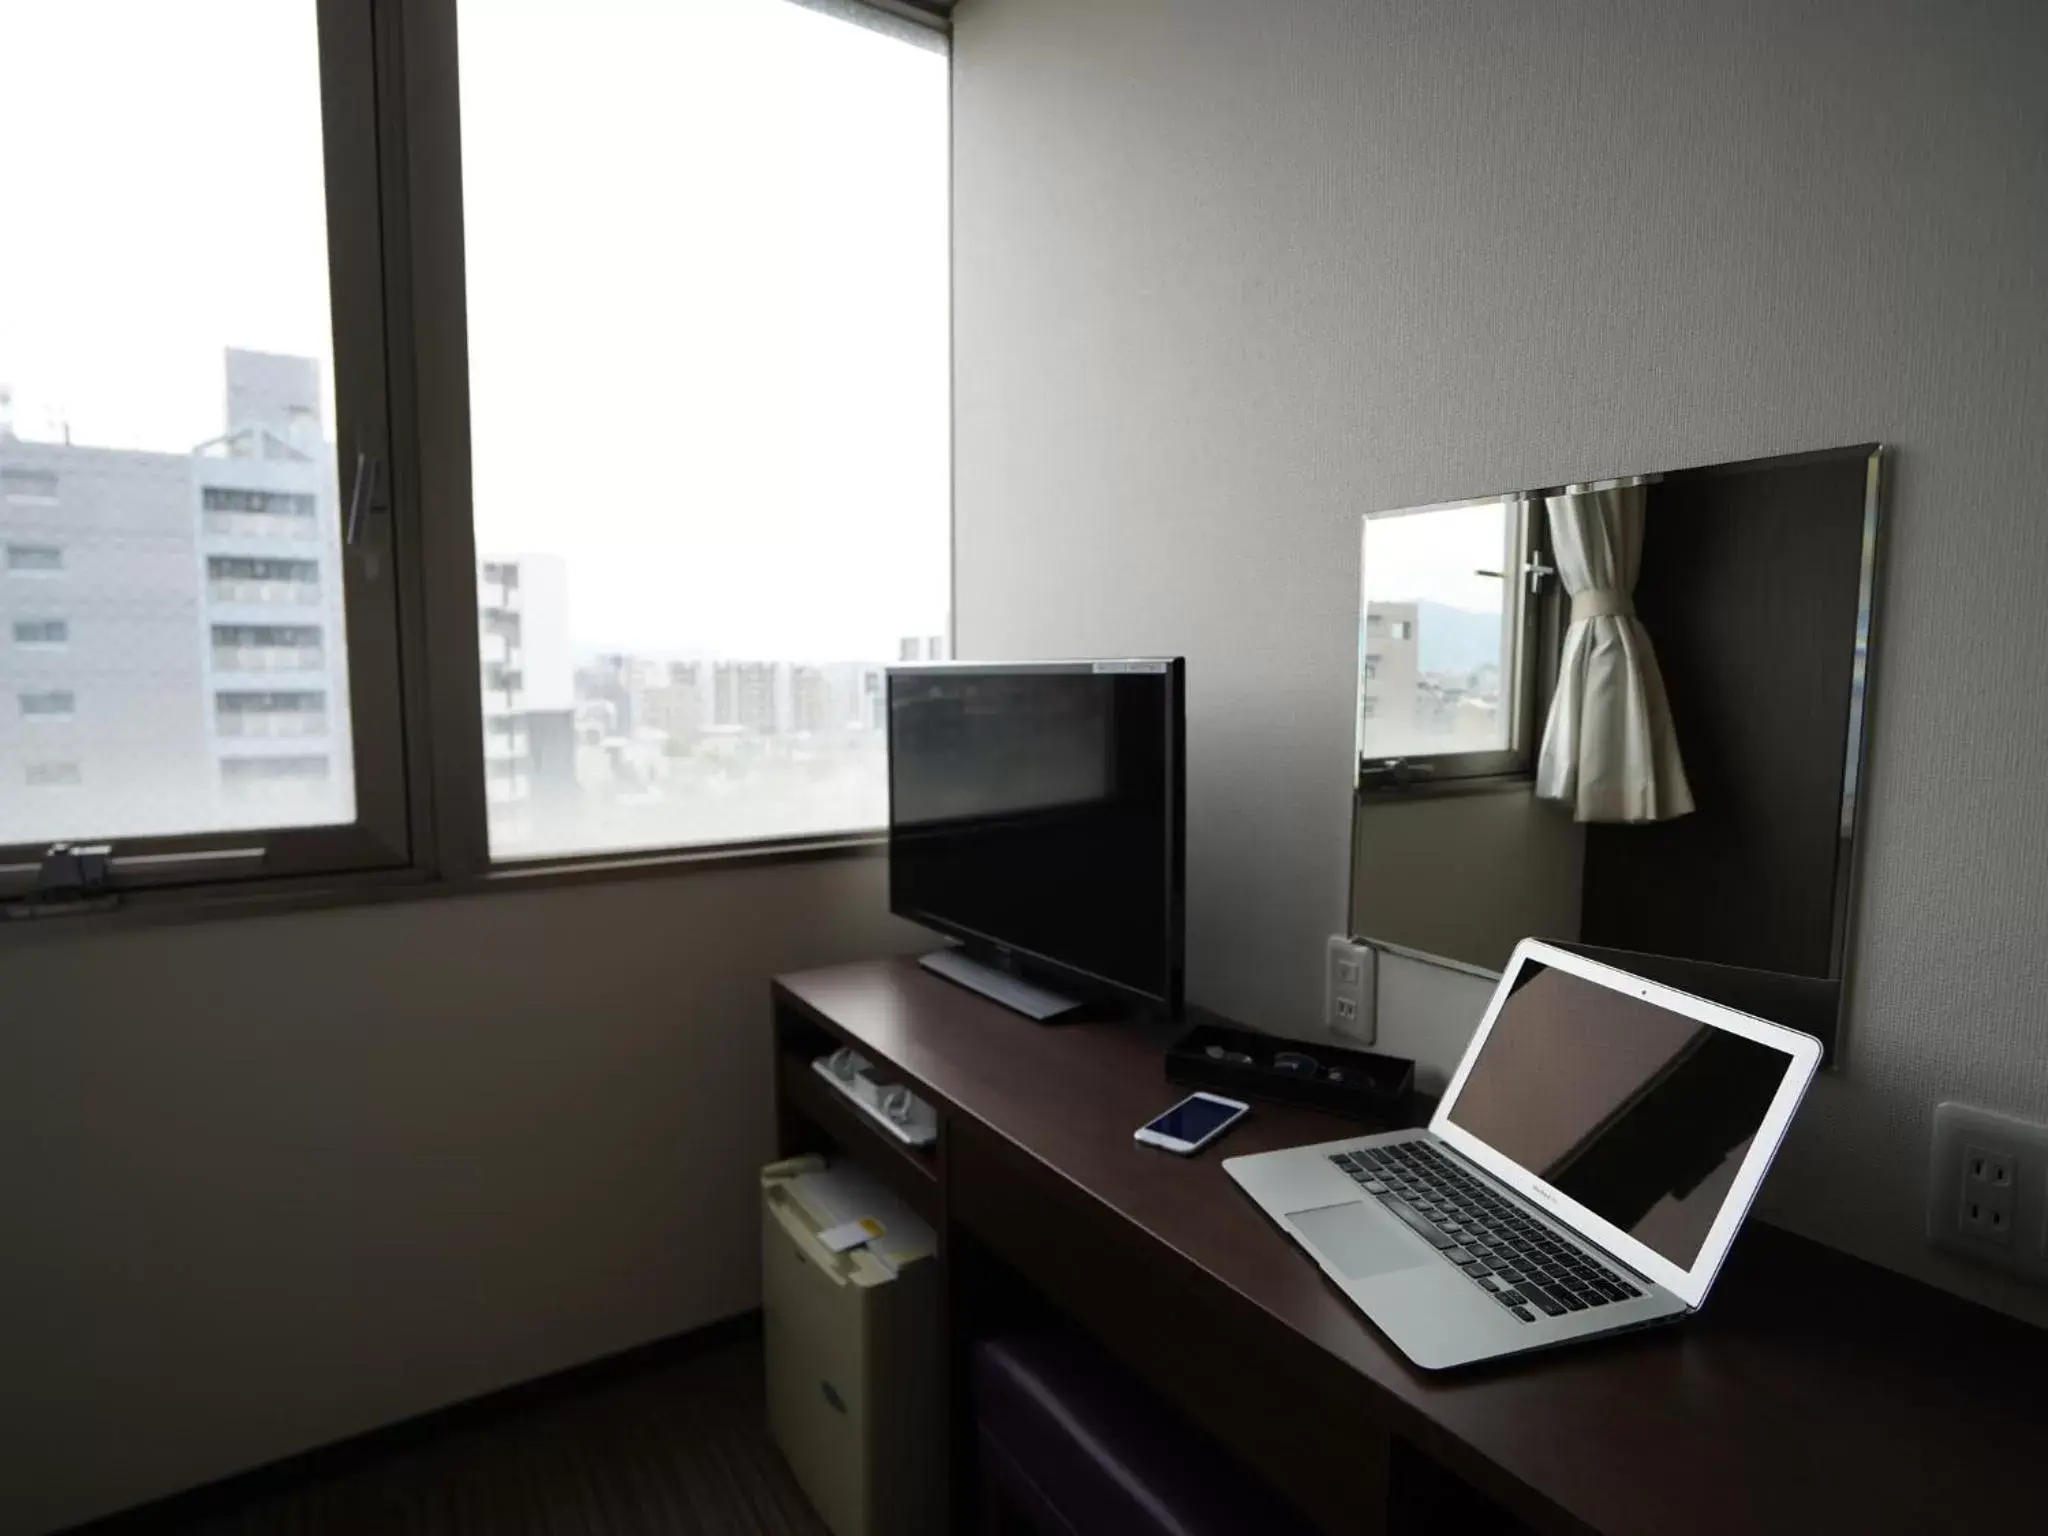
(1036,814)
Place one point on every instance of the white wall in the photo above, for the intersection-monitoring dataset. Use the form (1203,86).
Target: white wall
(1230,274)
(271,1182)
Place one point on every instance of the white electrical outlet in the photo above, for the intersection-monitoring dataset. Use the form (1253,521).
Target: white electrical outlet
(1987,1189)
(1985,1202)
(1350,989)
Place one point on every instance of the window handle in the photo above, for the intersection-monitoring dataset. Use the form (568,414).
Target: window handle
(75,877)
(363,494)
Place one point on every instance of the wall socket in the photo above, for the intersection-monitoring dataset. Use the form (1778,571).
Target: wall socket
(1351,989)
(1987,1189)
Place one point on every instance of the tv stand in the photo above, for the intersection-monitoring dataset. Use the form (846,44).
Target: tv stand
(999,986)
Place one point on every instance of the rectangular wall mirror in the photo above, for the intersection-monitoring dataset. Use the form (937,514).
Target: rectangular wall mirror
(1626,716)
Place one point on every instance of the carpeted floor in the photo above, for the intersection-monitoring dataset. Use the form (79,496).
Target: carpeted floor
(674,1446)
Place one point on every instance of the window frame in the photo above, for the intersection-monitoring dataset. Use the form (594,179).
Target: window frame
(354,134)
(441,358)
(390,102)
(22,638)
(14,547)
(69,711)
(1532,615)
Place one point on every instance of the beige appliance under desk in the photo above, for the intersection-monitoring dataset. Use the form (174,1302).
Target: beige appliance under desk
(852,1346)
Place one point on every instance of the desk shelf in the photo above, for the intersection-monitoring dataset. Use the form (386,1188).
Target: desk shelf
(913,1172)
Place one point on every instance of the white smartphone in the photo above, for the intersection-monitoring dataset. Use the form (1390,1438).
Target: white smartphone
(1193,1123)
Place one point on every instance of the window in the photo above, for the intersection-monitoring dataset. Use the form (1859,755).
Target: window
(274,781)
(27,486)
(47,634)
(49,704)
(709,426)
(181,405)
(284,713)
(34,558)
(1446,650)
(269,648)
(217,498)
(259,514)
(232,579)
(678,341)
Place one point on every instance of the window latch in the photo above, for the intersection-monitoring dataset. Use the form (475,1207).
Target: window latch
(1538,572)
(1392,772)
(365,495)
(72,877)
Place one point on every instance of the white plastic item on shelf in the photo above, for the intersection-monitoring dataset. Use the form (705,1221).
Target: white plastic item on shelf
(890,1105)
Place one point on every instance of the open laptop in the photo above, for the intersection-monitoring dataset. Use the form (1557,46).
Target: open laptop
(1584,1174)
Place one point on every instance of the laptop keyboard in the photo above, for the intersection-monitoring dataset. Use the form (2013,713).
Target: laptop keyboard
(1520,1263)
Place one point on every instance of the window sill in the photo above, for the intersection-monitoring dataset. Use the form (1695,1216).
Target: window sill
(169,906)
(1443,789)
(590,868)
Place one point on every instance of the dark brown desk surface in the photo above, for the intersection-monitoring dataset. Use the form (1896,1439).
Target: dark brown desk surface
(1813,1393)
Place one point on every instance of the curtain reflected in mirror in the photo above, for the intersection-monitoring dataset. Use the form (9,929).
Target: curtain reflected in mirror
(1626,716)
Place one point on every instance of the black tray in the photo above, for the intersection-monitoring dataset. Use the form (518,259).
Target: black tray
(1360,1083)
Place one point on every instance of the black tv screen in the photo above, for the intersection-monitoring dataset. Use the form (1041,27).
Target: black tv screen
(1035,812)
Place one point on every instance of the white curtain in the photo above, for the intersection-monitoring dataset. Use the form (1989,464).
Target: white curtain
(1609,751)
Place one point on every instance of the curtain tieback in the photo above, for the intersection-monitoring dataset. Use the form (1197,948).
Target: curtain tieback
(1602,603)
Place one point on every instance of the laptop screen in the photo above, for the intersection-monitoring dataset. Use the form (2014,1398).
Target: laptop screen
(1640,1114)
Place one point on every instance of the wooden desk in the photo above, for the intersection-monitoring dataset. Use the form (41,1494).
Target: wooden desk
(1814,1393)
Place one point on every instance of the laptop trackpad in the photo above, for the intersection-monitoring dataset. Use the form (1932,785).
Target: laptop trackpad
(1361,1240)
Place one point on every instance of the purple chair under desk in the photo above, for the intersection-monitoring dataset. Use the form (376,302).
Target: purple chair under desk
(1072,1444)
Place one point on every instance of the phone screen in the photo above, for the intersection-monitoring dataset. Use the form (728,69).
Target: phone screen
(1193,1119)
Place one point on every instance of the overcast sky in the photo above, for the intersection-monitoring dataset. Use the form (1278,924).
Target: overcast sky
(707,285)
(1431,556)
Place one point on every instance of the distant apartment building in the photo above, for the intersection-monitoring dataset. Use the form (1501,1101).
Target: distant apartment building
(1389,675)
(527,676)
(872,700)
(921,648)
(678,705)
(745,694)
(860,699)
(275,665)
(604,705)
(171,624)
(812,708)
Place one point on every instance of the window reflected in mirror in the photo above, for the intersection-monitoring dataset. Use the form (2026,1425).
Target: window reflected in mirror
(1440,640)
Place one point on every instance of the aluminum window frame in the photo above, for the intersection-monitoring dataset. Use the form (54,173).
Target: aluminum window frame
(452,569)
(1532,619)
(355,132)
